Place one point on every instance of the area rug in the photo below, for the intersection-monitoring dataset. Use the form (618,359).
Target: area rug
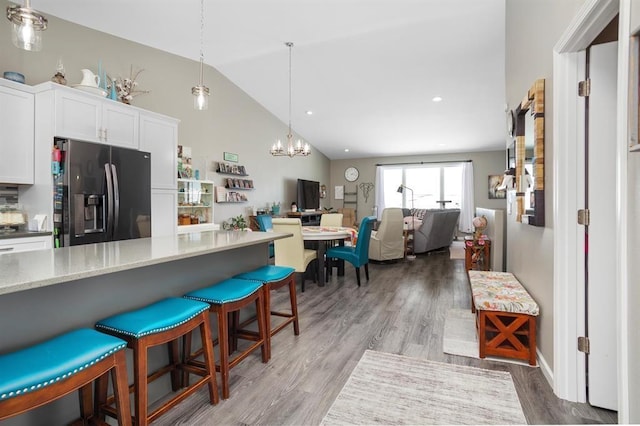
(456,250)
(460,336)
(393,389)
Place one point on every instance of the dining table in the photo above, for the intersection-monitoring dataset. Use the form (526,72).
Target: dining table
(323,236)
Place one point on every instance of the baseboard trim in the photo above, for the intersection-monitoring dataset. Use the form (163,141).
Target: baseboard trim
(544,366)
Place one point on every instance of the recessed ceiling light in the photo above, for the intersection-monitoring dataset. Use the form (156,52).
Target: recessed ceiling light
(346,150)
(309,112)
(437,99)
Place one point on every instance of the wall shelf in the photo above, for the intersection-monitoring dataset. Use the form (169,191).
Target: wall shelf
(228,193)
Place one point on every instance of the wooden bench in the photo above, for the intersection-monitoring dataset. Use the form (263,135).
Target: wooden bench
(505,316)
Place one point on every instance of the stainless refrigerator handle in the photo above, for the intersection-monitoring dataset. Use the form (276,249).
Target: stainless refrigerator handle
(116,198)
(107,171)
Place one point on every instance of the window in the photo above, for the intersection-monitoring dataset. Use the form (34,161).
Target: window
(431,186)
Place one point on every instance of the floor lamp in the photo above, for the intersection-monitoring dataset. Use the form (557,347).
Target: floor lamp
(401,189)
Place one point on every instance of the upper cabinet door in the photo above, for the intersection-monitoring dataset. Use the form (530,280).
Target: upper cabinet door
(120,124)
(16,136)
(94,119)
(159,136)
(78,116)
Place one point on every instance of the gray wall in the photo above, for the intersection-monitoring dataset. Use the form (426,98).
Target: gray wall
(532,29)
(233,123)
(484,164)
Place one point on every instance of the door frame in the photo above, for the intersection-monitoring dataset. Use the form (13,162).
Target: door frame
(569,378)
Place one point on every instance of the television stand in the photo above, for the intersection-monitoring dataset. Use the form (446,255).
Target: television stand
(307,218)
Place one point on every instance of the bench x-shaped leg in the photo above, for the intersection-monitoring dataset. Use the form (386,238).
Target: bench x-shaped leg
(506,333)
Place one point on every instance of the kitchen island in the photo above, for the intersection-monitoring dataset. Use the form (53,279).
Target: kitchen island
(47,292)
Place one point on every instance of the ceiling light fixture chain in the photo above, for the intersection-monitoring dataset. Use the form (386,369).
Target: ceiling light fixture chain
(292,150)
(201,92)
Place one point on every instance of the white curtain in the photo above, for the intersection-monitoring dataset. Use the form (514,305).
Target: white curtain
(467,208)
(378,204)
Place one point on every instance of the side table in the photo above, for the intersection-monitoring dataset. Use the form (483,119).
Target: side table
(477,254)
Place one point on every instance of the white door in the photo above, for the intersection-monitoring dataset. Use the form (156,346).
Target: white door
(600,234)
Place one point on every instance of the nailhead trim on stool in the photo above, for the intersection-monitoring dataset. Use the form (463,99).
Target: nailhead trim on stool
(44,372)
(274,277)
(226,297)
(163,322)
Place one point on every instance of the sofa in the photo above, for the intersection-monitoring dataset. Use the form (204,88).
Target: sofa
(387,242)
(433,228)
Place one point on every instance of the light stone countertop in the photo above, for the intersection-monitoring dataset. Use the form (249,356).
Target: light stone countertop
(40,268)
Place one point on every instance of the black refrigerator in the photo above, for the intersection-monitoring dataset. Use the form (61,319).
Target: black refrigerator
(101,193)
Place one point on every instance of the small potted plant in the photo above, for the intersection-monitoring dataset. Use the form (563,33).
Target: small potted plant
(237,223)
(275,208)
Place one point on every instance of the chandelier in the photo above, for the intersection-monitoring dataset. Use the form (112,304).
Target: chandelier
(27,28)
(292,149)
(201,92)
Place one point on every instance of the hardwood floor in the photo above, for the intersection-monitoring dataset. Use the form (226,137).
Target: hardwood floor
(400,310)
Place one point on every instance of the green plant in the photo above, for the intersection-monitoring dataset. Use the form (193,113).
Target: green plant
(235,223)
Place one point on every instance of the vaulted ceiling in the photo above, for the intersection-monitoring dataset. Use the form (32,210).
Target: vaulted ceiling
(367,69)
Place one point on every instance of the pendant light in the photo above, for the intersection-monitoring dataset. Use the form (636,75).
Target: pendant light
(277,150)
(201,92)
(27,26)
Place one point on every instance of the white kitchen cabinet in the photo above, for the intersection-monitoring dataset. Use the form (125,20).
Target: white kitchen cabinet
(17,133)
(89,117)
(14,245)
(163,212)
(159,136)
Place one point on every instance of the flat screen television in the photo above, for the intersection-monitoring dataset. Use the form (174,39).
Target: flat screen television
(308,195)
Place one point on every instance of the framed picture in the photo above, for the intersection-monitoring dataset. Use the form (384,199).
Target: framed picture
(494,193)
(228,156)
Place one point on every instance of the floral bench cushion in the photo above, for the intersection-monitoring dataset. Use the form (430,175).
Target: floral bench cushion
(501,291)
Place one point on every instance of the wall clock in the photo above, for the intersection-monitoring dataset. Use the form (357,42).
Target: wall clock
(351,174)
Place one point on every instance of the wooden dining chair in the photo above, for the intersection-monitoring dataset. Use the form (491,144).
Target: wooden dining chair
(290,251)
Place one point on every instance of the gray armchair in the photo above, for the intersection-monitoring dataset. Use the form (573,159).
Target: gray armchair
(436,231)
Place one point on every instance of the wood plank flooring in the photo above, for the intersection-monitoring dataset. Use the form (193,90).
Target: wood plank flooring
(400,310)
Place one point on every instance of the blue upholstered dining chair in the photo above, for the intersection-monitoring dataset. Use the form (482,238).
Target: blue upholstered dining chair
(266,224)
(359,255)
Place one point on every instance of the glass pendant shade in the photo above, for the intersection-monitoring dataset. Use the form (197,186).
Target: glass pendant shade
(200,97)
(26,27)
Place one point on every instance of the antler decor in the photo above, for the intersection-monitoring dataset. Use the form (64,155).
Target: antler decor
(366,187)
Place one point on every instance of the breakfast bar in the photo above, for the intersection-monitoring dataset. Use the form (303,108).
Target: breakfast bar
(47,292)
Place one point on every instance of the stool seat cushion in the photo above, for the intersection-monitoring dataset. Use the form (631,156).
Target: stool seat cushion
(226,291)
(56,359)
(157,317)
(267,273)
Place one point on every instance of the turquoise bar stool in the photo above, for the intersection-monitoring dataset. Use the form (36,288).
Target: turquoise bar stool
(156,324)
(224,298)
(39,374)
(274,277)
